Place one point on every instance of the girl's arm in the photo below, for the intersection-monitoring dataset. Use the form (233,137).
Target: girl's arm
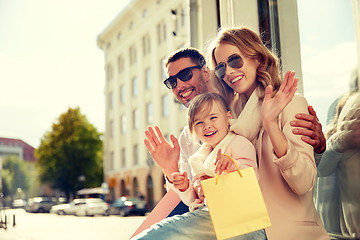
(180,181)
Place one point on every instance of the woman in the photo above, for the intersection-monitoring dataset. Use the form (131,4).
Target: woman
(247,76)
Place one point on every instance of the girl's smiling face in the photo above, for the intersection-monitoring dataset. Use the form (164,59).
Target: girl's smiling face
(211,125)
(241,80)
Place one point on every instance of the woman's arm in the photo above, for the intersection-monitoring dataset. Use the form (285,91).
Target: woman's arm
(294,158)
(271,109)
(297,166)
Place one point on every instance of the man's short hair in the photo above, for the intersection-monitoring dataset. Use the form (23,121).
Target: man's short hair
(192,53)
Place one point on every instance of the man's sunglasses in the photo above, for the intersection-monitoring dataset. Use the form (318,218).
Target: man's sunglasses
(234,61)
(184,75)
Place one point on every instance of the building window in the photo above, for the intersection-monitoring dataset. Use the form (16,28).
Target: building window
(161,32)
(146,44)
(148,78)
(269,25)
(123,124)
(120,63)
(145,13)
(119,35)
(164,31)
(150,161)
(162,69)
(111,163)
(136,119)
(158,27)
(136,160)
(132,55)
(134,86)
(122,94)
(109,72)
(182,17)
(165,105)
(111,100)
(123,157)
(131,25)
(149,113)
(111,129)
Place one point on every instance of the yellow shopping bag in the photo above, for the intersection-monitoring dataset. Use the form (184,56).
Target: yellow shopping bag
(235,203)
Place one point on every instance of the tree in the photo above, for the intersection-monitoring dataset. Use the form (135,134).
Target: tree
(70,155)
(14,176)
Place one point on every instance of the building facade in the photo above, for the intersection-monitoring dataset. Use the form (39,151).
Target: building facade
(135,45)
(11,146)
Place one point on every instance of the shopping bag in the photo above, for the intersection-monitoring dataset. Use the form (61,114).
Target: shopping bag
(166,207)
(235,203)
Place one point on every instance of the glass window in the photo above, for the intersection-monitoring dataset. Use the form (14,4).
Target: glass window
(122,93)
(136,119)
(111,129)
(136,160)
(132,55)
(134,87)
(164,31)
(158,28)
(145,13)
(123,157)
(165,106)
(162,69)
(182,17)
(109,72)
(149,113)
(123,124)
(111,162)
(120,62)
(111,100)
(148,78)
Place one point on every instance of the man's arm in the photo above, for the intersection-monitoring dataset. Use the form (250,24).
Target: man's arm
(310,129)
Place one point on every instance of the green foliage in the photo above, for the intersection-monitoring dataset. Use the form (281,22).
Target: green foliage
(14,175)
(72,148)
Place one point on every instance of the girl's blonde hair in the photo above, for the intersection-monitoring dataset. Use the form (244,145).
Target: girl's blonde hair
(249,44)
(204,101)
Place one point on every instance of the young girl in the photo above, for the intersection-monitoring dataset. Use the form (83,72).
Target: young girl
(208,120)
(247,74)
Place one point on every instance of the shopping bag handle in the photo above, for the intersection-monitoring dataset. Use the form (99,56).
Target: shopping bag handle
(237,168)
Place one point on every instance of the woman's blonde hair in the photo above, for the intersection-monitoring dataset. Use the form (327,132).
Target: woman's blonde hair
(204,101)
(249,44)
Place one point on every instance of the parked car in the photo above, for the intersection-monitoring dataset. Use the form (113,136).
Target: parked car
(91,207)
(40,204)
(128,206)
(67,208)
(18,203)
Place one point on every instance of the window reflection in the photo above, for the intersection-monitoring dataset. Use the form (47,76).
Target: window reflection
(328,51)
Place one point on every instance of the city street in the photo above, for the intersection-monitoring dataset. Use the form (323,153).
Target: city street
(45,226)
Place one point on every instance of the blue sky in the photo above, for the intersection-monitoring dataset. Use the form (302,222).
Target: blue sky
(328,50)
(49,59)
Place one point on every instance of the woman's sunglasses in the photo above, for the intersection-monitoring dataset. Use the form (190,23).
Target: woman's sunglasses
(184,75)
(234,61)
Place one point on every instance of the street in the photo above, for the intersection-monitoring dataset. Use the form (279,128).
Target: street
(45,226)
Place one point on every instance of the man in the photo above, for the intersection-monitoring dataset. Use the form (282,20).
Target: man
(188,77)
